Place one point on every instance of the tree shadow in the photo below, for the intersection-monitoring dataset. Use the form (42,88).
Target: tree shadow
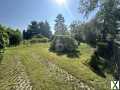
(102,61)
(97,65)
(1,57)
(74,54)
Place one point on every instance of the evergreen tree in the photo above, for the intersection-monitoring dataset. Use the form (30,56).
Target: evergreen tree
(60,27)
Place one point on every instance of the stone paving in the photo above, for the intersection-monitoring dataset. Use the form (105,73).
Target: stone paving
(63,75)
(16,77)
(22,81)
(68,78)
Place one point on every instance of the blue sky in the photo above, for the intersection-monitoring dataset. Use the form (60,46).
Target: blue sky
(19,13)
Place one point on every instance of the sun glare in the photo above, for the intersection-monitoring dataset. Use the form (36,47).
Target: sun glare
(61,2)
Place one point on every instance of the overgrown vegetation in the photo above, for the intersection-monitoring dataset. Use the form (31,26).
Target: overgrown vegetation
(9,37)
(36,59)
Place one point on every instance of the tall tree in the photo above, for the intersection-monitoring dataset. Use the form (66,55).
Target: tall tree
(60,27)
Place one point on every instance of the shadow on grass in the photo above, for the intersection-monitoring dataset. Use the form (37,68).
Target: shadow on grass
(74,54)
(97,65)
(1,57)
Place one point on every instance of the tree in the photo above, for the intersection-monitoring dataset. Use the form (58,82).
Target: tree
(107,14)
(9,37)
(3,40)
(15,37)
(33,29)
(76,32)
(37,28)
(62,41)
(85,32)
(60,27)
(24,34)
(45,29)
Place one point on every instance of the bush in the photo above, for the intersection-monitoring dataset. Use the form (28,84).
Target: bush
(64,43)
(14,37)
(3,40)
(39,40)
(105,49)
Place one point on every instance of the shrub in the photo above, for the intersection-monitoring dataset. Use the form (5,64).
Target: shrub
(14,37)
(91,38)
(4,41)
(105,49)
(64,43)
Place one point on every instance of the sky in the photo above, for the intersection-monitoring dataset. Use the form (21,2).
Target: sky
(19,13)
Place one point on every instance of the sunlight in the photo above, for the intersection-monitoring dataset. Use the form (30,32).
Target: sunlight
(61,2)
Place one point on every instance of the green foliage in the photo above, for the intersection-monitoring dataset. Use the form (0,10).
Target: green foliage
(3,40)
(108,13)
(64,44)
(9,37)
(85,32)
(76,31)
(62,40)
(37,28)
(60,27)
(14,37)
(98,65)
(91,38)
(105,49)
(29,58)
(102,49)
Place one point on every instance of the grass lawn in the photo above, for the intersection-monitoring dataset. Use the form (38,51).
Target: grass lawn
(37,62)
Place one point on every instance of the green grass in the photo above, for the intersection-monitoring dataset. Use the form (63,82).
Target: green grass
(33,56)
